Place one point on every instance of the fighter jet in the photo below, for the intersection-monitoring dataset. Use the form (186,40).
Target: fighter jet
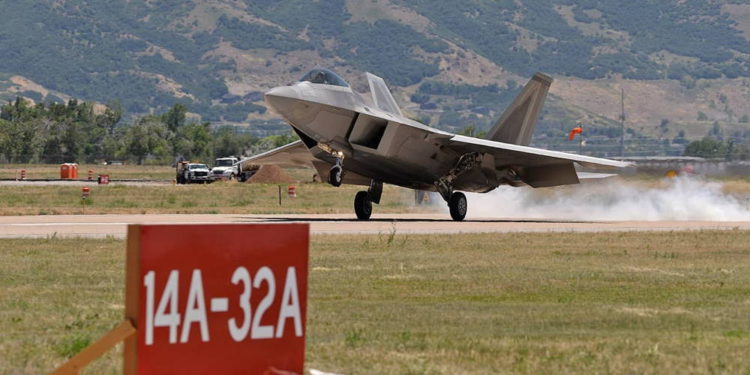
(352,139)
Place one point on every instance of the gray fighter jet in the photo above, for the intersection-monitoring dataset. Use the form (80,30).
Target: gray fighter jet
(351,139)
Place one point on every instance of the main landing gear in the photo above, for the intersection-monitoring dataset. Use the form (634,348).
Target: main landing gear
(457,205)
(362,205)
(364,199)
(457,200)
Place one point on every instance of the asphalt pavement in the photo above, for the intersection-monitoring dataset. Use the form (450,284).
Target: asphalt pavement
(99,226)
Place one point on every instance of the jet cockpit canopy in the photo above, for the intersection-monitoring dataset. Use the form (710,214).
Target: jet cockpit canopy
(325,77)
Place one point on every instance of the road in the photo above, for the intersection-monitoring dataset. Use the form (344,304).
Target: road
(98,226)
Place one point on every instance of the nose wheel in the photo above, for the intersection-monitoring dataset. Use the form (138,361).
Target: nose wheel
(335,177)
(458,206)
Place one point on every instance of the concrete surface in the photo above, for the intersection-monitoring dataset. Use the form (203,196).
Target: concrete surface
(115,225)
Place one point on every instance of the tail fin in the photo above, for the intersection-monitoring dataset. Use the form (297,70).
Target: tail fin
(516,125)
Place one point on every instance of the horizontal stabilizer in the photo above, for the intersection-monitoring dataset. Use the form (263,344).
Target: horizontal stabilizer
(294,154)
(588,176)
(549,175)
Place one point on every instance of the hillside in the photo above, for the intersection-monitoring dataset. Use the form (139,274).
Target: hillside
(450,63)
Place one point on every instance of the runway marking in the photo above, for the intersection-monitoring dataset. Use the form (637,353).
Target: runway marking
(56,224)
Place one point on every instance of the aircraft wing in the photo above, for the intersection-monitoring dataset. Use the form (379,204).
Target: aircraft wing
(536,167)
(294,154)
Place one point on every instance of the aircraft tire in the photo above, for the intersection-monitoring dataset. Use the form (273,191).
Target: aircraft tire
(363,205)
(458,206)
(335,176)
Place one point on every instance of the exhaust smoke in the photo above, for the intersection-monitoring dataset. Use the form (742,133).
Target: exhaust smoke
(682,198)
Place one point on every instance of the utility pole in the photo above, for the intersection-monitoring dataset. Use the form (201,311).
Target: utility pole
(622,123)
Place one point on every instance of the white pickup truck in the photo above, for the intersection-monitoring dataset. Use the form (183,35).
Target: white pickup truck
(225,169)
(188,173)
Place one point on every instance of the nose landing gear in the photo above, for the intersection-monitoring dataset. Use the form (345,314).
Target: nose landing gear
(336,173)
(335,176)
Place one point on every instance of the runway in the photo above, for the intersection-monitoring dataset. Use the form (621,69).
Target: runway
(101,226)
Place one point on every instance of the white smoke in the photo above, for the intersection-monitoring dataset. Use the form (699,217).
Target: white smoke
(676,199)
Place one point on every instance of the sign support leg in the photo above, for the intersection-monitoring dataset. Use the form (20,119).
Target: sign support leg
(123,330)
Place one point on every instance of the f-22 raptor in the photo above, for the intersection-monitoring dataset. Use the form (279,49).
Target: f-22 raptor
(351,139)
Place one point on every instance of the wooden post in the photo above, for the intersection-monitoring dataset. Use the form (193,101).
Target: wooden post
(132,296)
(279,195)
(123,330)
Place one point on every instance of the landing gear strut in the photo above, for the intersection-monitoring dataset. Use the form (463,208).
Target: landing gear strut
(336,176)
(364,199)
(457,200)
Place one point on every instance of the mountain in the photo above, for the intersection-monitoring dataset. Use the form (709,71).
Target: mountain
(684,64)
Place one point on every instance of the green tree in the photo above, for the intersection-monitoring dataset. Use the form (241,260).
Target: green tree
(21,141)
(196,142)
(175,117)
(706,148)
(227,142)
(147,137)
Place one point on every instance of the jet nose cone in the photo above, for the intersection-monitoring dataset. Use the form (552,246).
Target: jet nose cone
(288,102)
(278,97)
(282,91)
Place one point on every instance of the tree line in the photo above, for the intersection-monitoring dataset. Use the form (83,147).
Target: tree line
(78,132)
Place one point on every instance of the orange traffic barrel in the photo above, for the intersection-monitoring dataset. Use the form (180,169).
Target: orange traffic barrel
(85,192)
(23,174)
(291,191)
(91,175)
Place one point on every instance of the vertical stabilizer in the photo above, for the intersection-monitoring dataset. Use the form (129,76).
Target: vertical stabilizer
(381,95)
(516,125)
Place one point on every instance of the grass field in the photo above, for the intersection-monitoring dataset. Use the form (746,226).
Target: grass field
(122,172)
(220,197)
(226,197)
(427,304)
(231,197)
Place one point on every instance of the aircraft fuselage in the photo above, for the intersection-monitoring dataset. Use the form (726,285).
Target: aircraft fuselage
(376,145)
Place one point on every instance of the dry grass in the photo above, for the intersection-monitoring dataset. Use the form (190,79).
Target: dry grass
(122,172)
(219,197)
(117,172)
(226,197)
(481,304)
(229,197)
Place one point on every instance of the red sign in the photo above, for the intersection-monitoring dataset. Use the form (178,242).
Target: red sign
(210,299)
